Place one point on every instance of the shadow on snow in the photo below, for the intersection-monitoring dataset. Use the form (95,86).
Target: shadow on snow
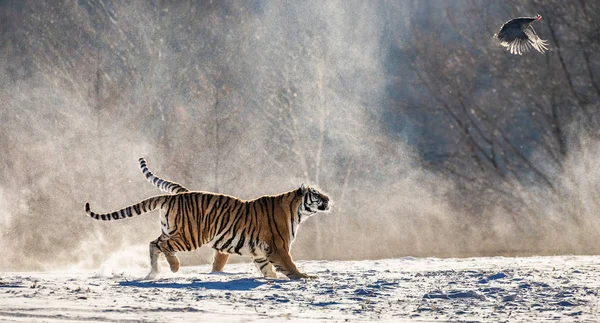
(236,284)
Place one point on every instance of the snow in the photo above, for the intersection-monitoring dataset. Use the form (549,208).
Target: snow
(535,289)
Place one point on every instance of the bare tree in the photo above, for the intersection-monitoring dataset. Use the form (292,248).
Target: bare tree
(504,122)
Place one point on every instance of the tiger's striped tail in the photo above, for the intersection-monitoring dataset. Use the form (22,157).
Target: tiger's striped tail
(127,212)
(163,185)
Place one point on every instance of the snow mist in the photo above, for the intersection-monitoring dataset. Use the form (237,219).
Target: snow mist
(238,98)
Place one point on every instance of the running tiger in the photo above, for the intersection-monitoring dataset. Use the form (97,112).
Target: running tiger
(263,228)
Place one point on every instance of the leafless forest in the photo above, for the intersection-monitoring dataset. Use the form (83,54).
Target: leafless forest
(431,139)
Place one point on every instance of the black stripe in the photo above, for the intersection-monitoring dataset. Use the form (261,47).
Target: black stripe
(227,243)
(209,198)
(256,215)
(174,207)
(176,244)
(221,215)
(201,221)
(240,245)
(165,200)
(154,203)
(238,219)
(292,221)
(223,233)
(220,229)
(213,224)
(207,219)
(169,207)
(188,217)
(180,221)
(252,247)
(169,242)
(197,223)
(251,240)
(219,206)
(275,223)
(215,208)
(263,265)
(189,222)
(270,225)
(254,226)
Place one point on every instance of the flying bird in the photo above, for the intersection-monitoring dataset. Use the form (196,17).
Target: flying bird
(518,36)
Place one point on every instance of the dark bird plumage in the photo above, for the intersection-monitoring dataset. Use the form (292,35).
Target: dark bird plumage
(518,36)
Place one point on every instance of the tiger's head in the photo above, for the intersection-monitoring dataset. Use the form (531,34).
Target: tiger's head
(313,201)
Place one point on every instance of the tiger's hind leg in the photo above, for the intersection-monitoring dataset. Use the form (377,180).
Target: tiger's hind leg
(219,261)
(154,253)
(170,255)
(167,246)
(265,267)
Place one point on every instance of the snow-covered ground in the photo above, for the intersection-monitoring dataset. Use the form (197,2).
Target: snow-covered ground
(532,289)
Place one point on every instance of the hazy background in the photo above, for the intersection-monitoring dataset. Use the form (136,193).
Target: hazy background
(430,138)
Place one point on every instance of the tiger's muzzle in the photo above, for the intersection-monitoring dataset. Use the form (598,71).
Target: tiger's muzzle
(325,207)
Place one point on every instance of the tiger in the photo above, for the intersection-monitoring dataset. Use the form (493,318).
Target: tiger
(263,228)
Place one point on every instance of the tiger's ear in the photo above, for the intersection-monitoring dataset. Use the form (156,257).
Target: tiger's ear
(303,189)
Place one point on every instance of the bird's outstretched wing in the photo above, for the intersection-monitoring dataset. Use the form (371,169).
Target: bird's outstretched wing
(518,46)
(539,44)
(515,40)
